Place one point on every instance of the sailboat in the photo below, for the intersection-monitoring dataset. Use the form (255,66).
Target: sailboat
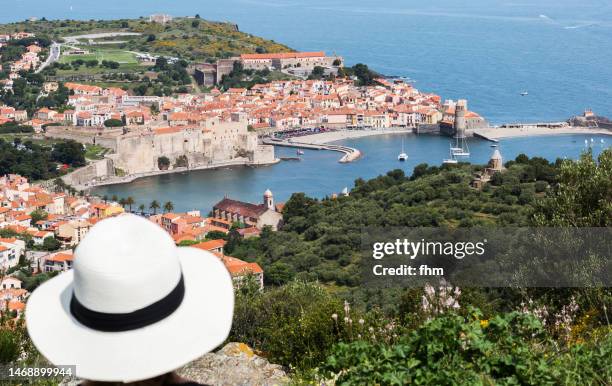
(524,93)
(300,152)
(452,160)
(461,148)
(402,157)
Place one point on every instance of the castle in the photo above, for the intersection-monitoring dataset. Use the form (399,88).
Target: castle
(140,150)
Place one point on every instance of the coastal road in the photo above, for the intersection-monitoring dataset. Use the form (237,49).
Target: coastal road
(54,55)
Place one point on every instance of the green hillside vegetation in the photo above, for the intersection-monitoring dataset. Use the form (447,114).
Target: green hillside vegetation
(391,336)
(39,161)
(321,239)
(188,38)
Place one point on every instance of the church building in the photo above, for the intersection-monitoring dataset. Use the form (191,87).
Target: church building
(257,215)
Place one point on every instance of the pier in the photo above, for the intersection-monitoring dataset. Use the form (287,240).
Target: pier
(485,137)
(350,154)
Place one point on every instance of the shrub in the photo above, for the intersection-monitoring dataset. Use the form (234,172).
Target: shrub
(113,123)
(163,163)
(451,349)
(292,325)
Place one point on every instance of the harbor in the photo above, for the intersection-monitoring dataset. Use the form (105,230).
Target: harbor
(349,154)
(319,174)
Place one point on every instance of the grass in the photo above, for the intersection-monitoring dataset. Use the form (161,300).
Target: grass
(127,60)
(113,55)
(95,152)
(29,137)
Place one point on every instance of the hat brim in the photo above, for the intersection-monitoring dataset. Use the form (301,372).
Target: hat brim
(201,323)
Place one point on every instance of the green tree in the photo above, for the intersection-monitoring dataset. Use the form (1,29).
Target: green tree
(69,152)
(154,206)
(129,202)
(113,123)
(583,195)
(38,215)
(51,244)
(163,163)
(168,206)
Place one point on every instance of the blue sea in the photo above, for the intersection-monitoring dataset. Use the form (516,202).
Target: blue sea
(488,51)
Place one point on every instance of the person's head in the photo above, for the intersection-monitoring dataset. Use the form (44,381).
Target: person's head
(134,307)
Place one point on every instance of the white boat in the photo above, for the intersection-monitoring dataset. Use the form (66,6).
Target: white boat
(602,141)
(524,93)
(452,160)
(461,148)
(402,157)
(300,152)
(586,142)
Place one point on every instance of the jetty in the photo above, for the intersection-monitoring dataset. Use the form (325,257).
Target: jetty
(484,136)
(350,154)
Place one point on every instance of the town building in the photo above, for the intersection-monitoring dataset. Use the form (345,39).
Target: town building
(257,215)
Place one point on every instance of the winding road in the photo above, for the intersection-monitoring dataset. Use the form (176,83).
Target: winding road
(54,55)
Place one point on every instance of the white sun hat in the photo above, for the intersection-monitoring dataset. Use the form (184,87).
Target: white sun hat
(134,307)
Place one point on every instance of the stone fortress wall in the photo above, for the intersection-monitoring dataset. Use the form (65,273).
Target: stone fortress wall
(138,150)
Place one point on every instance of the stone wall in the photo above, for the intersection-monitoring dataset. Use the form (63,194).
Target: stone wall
(138,151)
(103,137)
(98,170)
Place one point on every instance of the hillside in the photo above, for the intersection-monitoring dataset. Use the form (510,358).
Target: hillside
(321,239)
(188,38)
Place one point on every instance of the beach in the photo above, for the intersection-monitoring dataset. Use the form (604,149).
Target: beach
(495,133)
(492,133)
(339,135)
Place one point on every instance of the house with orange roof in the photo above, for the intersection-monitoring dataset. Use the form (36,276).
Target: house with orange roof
(240,270)
(71,233)
(58,262)
(17,294)
(34,48)
(11,250)
(39,237)
(249,232)
(16,249)
(16,307)
(212,246)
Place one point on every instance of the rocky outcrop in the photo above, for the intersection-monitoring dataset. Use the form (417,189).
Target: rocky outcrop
(235,364)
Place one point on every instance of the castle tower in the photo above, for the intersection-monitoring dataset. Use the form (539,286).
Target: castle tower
(460,122)
(496,162)
(269,200)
